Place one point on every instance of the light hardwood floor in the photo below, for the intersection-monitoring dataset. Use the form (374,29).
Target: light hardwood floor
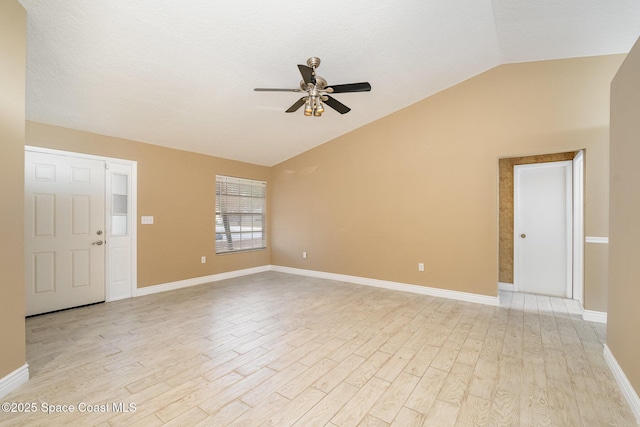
(281,350)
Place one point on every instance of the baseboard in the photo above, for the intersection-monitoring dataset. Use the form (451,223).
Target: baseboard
(416,289)
(148,290)
(14,380)
(623,382)
(506,286)
(594,316)
(595,239)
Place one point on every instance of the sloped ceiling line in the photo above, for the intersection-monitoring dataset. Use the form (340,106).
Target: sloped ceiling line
(181,74)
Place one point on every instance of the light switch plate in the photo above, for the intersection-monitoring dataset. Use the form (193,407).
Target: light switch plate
(147,220)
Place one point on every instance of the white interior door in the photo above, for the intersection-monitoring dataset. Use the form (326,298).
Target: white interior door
(542,228)
(64,232)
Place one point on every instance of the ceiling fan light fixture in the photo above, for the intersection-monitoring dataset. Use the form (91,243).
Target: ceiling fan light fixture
(308,108)
(319,107)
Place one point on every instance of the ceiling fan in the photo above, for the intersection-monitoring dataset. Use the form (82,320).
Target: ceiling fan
(317,91)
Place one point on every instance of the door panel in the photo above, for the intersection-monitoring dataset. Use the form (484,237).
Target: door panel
(542,228)
(43,272)
(64,210)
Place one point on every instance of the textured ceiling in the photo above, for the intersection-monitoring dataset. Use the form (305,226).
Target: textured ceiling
(181,73)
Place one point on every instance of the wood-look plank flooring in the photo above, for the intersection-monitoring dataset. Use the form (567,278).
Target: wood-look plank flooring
(273,349)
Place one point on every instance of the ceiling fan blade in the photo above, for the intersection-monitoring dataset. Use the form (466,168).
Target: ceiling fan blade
(267,89)
(307,74)
(337,105)
(351,87)
(299,103)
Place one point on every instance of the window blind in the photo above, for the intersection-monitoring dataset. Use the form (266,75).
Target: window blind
(240,214)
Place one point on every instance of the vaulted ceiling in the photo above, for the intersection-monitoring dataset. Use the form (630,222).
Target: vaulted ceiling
(181,73)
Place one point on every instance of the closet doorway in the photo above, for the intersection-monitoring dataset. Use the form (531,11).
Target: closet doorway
(525,263)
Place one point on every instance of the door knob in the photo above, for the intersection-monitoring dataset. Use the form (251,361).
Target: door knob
(99,242)
(523,235)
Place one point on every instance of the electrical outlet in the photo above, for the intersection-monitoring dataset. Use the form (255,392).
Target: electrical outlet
(304,255)
(203,259)
(420,266)
(146,220)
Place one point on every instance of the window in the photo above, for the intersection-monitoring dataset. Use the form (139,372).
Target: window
(119,205)
(240,214)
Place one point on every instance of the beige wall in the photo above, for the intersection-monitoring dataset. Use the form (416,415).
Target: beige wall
(624,269)
(178,189)
(421,185)
(12,107)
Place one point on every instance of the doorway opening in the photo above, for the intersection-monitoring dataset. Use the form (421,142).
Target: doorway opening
(80,229)
(507,274)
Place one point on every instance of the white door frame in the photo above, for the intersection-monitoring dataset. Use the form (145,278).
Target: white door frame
(569,222)
(133,165)
(578,227)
